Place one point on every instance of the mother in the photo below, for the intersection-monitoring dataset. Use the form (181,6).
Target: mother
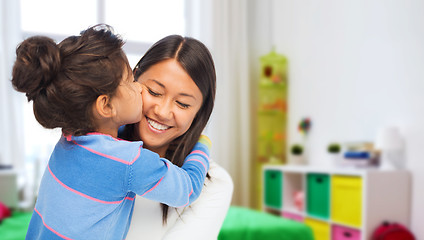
(179,81)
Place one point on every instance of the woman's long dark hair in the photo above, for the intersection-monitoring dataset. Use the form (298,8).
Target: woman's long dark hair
(197,61)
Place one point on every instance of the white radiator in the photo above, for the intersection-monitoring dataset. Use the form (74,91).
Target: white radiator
(9,188)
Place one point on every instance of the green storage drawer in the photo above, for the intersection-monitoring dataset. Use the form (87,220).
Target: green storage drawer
(273,188)
(318,195)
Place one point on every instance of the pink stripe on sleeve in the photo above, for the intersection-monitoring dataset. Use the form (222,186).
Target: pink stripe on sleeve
(48,227)
(188,199)
(157,184)
(201,153)
(129,198)
(197,160)
(138,155)
(107,156)
(80,193)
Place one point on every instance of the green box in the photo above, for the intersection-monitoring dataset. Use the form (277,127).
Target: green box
(273,188)
(318,195)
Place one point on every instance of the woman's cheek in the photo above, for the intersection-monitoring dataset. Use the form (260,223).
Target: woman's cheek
(187,119)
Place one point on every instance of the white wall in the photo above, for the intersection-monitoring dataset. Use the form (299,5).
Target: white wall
(356,66)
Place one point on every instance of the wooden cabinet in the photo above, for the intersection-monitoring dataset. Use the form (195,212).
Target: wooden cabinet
(340,203)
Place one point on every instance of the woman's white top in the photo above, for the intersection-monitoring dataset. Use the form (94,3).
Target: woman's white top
(201,220)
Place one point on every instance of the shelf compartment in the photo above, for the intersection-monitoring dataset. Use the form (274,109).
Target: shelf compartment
(344,233)
(293,216)
(293,192)
(346,200)
(273,188)
(320,229)
(318,195)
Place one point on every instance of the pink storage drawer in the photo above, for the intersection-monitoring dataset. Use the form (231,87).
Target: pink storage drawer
(293,216)
(345,233)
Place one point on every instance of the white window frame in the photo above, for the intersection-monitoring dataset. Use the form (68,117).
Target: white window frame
(130,47)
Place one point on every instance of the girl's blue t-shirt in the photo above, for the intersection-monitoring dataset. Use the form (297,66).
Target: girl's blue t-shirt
(91,181)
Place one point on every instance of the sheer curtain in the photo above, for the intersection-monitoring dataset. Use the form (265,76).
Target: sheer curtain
(222,26)
(11,109)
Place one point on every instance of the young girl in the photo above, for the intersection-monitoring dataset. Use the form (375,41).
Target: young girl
(84,85)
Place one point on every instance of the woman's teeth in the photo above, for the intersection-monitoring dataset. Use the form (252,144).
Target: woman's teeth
(157,125)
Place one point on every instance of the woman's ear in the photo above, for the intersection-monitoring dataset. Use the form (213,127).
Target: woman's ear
(103,107)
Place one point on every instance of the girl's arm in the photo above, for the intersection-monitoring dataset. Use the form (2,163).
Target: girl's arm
(158,179)
(204,218)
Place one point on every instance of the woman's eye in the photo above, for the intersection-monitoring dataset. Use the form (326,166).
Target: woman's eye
(155,94)
(182,105)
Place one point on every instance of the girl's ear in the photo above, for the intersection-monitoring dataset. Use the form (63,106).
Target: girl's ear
(103,107)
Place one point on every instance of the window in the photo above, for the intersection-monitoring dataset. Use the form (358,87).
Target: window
(139,22)
(50,17)
(146,20)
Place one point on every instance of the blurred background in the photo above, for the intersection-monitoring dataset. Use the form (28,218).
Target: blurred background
(353,68)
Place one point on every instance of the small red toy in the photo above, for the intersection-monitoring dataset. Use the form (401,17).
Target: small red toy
(4,211)
(299,200)
(392,231)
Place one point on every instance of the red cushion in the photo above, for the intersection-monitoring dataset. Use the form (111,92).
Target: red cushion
(4,211)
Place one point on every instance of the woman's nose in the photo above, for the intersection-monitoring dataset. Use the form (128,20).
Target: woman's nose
(163,110)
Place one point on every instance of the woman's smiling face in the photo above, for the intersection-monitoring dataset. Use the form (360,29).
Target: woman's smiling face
(171,100)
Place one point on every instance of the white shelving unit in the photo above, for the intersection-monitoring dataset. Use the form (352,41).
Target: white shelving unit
(339,203)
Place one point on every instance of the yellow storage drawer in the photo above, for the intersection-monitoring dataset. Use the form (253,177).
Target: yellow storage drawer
(320,229)
(346,198)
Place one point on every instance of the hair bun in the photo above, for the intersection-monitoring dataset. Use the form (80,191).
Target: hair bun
(37,65)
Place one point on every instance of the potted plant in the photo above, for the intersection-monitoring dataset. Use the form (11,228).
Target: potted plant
(297,156)
(297,149)
(334,151)
(334,148)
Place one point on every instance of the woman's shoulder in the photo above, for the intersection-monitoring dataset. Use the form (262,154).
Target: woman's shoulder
(220,180)
(206,215)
